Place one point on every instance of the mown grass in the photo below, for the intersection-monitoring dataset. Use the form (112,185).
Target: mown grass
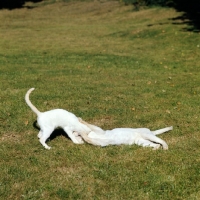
(114,68)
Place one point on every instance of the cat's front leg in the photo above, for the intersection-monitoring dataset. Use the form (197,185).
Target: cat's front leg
(71,135)
(79,138)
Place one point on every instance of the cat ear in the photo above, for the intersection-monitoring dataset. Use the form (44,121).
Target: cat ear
(75,133)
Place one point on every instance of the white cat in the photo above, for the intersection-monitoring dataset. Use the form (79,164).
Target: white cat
(57,118)
(140,136)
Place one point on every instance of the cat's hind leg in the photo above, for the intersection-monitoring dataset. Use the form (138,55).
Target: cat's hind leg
(147,143)
(39,134)
(153,138)
(44,135)
(163,130)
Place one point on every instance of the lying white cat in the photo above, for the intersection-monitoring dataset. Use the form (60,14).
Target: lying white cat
(117,136)
(50,120)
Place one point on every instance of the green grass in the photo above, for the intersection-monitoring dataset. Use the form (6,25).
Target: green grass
(114,68)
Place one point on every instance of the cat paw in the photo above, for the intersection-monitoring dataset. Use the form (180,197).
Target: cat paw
(48,147)
(156,147)
(165,147)
(80,140)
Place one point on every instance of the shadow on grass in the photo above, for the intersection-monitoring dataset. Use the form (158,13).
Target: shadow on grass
(56,132)
(12,4)
(191,15)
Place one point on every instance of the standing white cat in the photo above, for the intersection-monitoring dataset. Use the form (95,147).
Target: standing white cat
(50,120)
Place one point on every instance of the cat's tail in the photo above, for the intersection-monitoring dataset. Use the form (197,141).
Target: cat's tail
(33,108)
(163,130)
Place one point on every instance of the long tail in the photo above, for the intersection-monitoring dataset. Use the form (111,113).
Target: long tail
(163,130)
(33,108)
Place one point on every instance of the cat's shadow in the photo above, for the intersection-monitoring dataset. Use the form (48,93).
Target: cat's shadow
(56,132)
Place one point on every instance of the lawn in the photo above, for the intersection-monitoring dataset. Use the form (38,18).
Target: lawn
(113,67)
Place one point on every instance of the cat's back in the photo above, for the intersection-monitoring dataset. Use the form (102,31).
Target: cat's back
(58,113)
(57,117)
